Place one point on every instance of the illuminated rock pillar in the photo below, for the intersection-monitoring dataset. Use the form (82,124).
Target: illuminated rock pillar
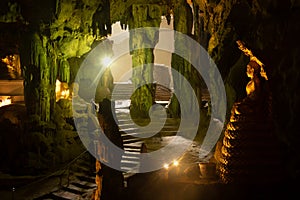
(142,43)
(39,65)
(183,23)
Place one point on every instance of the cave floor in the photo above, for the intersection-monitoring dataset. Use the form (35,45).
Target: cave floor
(183,182)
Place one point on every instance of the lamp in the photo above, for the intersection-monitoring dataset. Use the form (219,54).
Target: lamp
(106,61)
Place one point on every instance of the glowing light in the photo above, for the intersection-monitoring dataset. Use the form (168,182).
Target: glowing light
(62,91)
(175,163)
(5,101)
(166,166)
(106,61)
(65,94)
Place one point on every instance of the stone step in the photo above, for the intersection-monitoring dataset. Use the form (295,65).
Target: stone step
(168,133)
(139,135)
(125,125)
(132,150)
(51,196)
(122,116)
(129,130)
(167,123)
(123,121)
(73,190)
(131,153)
(85,183)
(128,137)
(82,179)
(125,157)
(122,96)
(130,170)
(83,169)
(85,178)
(78,188)
(123,90)
(133,134)
(65,195)
(129,163)
(83,186)
(127,175)
(134,144)
(130,140)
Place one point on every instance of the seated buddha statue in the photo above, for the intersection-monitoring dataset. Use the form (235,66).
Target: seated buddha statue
(256,92)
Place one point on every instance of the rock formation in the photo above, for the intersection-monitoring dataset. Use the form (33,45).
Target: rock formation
(250,150)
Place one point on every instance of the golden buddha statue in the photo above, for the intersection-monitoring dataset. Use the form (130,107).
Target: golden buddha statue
(250,151)
(256,90)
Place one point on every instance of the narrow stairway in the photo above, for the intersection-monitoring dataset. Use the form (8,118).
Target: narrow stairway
(77,181)
(133,144)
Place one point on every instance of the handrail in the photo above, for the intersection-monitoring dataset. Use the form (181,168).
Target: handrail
(60,172)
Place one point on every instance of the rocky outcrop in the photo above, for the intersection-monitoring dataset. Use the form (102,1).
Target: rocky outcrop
(250,151)
(270,28)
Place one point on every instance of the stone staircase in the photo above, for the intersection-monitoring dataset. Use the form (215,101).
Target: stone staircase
(133,144)
(78,181)
(123,91)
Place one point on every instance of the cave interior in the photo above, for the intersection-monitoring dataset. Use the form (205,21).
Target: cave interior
(44,44)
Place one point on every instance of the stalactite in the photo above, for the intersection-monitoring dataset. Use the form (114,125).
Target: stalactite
(37,75)
(101,24)
(183,23)
(52,62)
(64,70)
(32,78)
(44,100)
(143,15)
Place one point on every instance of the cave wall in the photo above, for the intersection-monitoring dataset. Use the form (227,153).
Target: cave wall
(50,36)
(270,29)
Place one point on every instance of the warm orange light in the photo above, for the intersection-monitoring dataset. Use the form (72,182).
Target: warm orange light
(166,166)
(249,53)
(65,94)
(8,60)
(175,163)
(61,90)
(5,101)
